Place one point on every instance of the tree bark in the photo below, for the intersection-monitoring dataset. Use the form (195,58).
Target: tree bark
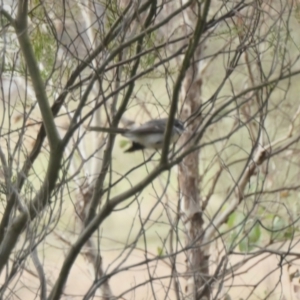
(189,180)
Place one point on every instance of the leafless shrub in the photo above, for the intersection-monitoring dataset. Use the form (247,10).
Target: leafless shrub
(215,217)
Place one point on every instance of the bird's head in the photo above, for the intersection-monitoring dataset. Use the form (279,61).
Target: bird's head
(179,126)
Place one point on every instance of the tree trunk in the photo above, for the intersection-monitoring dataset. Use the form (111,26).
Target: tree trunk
(189,179)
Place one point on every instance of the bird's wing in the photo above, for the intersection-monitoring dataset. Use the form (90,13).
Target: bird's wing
(148,127)
(145,130)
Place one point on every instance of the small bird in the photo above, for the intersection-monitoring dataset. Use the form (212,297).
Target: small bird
(149,135)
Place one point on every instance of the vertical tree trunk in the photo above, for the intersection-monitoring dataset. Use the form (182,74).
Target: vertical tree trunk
(189,179)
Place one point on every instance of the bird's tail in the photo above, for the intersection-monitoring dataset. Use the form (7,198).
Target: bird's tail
(110,130)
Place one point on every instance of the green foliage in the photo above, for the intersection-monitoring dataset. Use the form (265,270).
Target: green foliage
(281,229)
(250,233)
(245,232)
(42,40)
(44,48)
(160,251)
(252,236)
(113,11)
